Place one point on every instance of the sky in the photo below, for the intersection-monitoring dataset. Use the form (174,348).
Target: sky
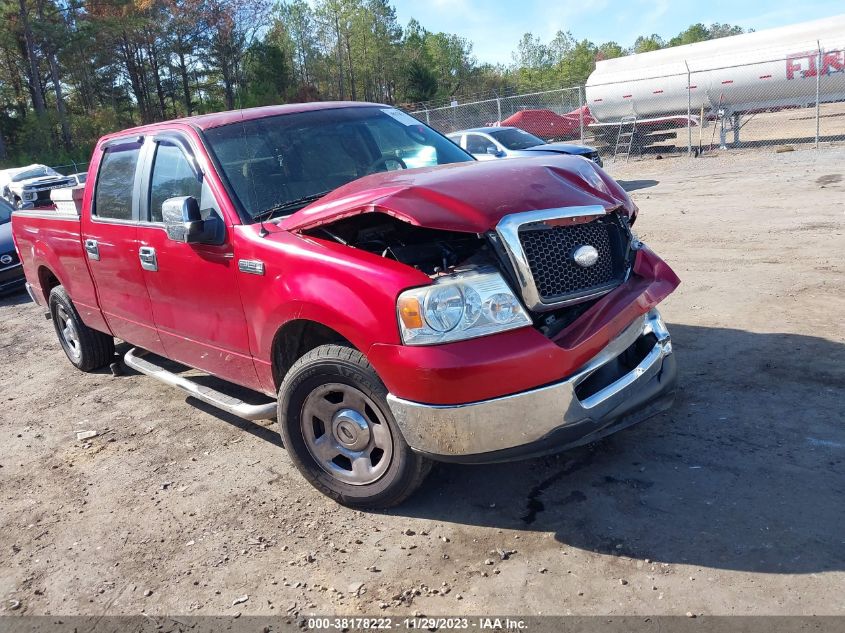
(495,26)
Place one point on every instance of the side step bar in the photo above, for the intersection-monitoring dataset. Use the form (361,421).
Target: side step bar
(206,394)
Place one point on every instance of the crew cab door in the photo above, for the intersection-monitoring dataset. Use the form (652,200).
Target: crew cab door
(109,235)
(194,290)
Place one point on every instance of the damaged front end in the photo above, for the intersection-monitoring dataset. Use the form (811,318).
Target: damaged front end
(559,262)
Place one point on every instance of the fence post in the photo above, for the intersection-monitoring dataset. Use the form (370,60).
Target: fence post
(580,115)
(689,110)
(427,120)
(818,86)
(498,109)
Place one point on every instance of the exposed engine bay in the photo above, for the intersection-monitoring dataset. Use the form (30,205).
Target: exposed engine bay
(431,251)
(436,252)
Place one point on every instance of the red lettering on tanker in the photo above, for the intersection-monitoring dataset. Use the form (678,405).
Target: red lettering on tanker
(833,62)
(806,64)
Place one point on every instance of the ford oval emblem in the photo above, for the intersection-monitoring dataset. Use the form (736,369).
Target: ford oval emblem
(585,256)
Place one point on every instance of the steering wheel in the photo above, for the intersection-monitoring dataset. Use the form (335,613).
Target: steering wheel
(382,161)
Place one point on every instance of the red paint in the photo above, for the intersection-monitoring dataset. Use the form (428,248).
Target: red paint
(200,310)
(765,76)
(728,81)
(657,92)
(548,124)
(627,96)
(470,197)
(522,359)
(833,62)
(794,64)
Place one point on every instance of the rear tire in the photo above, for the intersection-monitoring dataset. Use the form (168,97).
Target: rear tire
(86,348)
(340,432)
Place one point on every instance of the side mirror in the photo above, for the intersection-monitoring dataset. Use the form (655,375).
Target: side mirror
(183,222)
(491,149)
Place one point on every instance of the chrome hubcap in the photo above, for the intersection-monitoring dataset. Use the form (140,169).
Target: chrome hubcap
(346,434)
(68,332)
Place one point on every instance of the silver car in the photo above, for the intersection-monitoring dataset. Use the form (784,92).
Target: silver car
(488,143)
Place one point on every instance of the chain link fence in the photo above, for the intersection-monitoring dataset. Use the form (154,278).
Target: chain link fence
(71,168)
(788,102)
(563,102)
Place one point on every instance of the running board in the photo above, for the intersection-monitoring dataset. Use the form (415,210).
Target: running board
(206,394)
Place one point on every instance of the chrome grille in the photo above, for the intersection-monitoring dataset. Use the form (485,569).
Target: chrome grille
(549,253)
(541,246)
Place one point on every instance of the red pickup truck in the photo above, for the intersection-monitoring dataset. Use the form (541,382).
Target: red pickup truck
(398,301)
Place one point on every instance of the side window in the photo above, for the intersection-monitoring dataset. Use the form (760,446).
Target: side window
(171,177)
(478,144)
(116,181)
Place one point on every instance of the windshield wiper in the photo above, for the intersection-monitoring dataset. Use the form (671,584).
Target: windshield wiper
(289,204)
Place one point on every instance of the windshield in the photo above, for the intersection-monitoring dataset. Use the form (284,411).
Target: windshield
(35,172)
(514,138)
(281,163)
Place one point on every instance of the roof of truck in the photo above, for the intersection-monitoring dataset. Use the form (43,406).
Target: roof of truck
(217,119)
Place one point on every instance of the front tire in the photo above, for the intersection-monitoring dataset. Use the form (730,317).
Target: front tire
(86,348)
(340,433)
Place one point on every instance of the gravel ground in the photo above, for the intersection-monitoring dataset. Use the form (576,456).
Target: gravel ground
(730,503)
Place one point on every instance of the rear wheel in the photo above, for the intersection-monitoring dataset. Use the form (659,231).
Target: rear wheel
(340,433)
(86,348)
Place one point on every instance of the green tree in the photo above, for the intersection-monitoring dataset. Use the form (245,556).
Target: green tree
(421,83)
(267,75)
(610,50)
(648,43)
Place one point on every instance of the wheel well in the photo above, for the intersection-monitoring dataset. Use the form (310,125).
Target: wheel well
(47,280)
(295,339)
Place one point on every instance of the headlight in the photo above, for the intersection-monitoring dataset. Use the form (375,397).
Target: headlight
(29,195)
(457,307)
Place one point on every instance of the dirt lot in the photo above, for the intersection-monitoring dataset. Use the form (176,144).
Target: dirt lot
(731,503)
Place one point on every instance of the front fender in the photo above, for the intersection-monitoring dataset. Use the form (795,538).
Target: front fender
(347,290)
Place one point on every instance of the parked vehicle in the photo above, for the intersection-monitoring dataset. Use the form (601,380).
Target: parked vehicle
(30,186)
(487,143)
(458,311)
(11,271)
(78,178)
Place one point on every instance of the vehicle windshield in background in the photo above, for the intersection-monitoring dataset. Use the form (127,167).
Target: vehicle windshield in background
(516,139)
(278,164)
(36,172)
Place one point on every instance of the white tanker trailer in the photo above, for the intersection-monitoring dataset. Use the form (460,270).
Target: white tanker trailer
(727,78)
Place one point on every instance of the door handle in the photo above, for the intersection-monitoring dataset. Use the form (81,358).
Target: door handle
(147,255)
(93,249)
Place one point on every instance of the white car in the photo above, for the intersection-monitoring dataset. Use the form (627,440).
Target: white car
(30,186)
(488,143)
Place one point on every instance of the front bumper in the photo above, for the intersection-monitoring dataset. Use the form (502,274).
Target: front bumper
(602,397)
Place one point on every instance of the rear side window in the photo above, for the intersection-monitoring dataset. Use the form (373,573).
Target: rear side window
(116,182)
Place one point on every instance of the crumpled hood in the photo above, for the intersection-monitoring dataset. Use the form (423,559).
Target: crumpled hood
(471,197)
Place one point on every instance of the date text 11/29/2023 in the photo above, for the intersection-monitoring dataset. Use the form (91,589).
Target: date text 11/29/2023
(416,623)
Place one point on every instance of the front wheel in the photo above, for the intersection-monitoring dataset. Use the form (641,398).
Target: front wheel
(86,348)
(340,433)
